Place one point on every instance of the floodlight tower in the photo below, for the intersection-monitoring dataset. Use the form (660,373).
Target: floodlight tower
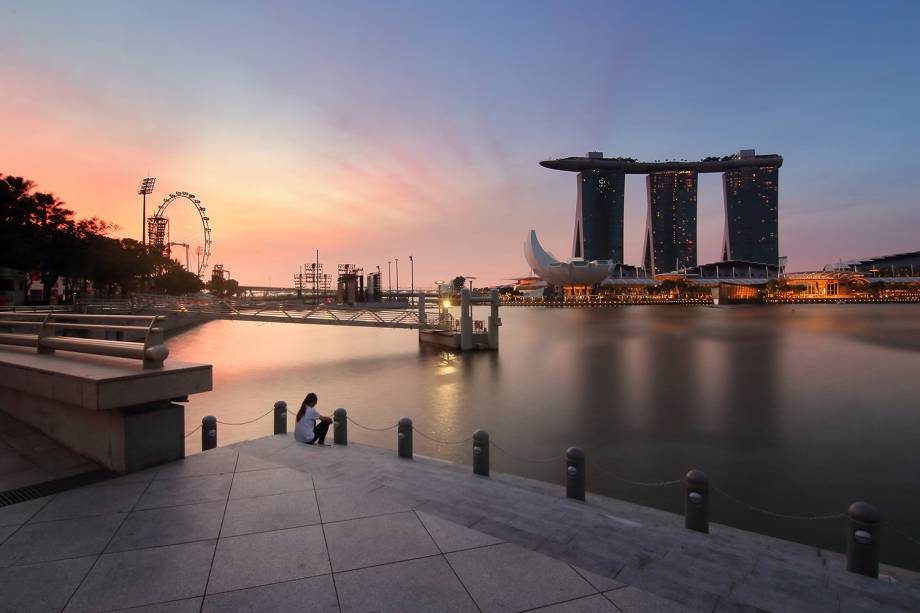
(146,187)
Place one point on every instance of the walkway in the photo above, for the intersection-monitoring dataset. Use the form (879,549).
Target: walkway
(270,524)
(28,457)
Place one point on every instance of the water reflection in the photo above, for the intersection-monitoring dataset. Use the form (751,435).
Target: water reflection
(797,409)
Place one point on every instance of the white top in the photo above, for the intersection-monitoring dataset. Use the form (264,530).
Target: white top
(303,430)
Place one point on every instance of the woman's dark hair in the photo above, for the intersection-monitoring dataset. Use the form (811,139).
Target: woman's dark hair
(310,400)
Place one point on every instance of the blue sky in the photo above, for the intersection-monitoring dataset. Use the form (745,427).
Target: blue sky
(374,130)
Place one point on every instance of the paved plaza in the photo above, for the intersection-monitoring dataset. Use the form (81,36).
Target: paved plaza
(272,525)
(28,457)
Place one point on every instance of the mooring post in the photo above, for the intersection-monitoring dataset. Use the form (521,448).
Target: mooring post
(208,432)
(696,515)
(863,536)
(494,320)
(404,438)
(481,453)
(466,320)
(575,473)
(281,417)
(340,426)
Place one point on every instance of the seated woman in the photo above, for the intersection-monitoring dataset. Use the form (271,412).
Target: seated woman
(306,430)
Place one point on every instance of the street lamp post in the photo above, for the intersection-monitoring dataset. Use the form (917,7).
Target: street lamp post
(397,278)
(390,278)
(412,279)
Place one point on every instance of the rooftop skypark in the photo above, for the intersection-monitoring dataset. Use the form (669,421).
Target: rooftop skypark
(631,166)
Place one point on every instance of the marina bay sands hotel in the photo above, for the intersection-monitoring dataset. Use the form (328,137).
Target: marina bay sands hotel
(750,185)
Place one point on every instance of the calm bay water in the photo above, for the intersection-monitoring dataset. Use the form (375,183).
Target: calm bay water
(799,410)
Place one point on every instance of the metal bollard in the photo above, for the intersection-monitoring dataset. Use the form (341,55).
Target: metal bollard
(404,438)
(575,473)
(863,536)
(481,453)
(208,432)
(340,426)
(696,516)
(281,417)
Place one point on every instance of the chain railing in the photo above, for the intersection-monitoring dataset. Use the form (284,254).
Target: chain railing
(243,423)
(639,483)
(351,420)
(864,522)
(520,458)
(769,513)
(442,442)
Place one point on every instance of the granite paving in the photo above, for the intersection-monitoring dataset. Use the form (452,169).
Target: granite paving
(28,457)
(272,525)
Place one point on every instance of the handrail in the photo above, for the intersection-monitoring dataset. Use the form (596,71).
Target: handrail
(46,338)
(38,308)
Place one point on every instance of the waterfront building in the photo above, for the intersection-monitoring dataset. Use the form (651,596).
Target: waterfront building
(574,272)
(751,211)
(821,284)
(896,265)
(670,227)
(599,215)
(751,191)
(731,270)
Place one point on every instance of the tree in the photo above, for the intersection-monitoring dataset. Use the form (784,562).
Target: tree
(38,233)
(458,283)
(220,287)
(176,280)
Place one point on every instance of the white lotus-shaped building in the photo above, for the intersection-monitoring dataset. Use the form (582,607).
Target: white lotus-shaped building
(573,272)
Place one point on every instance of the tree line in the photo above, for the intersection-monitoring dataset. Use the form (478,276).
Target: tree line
(39,234)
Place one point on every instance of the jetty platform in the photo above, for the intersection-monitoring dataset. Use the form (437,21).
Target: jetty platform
(274,525)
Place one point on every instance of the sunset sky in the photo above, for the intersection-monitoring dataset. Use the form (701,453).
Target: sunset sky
(372,131)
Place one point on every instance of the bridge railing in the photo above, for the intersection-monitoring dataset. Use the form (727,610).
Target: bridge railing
(49,332)
(38,308)
(104,305)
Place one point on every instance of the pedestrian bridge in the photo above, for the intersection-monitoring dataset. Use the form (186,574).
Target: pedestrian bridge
(435,324)
(399,315)
(410,319)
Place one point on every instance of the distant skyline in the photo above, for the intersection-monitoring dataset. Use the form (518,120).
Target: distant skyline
(372,131)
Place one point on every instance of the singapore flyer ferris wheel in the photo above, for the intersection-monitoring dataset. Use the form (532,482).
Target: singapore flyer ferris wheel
(158,230)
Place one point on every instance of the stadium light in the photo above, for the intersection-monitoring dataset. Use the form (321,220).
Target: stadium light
(145,187)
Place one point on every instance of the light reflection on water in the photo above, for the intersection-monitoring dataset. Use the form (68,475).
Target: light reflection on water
(798,409)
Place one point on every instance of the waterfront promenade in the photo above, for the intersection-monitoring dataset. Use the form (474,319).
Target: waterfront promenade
(269,524)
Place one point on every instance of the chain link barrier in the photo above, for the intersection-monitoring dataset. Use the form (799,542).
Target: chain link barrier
(439,441)
(558,457)
(633,482)
(904,534)
(525,459)
(369,428)
(722,492)
(243,423)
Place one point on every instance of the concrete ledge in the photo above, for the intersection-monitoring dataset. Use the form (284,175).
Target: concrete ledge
(96,382)
(107,409)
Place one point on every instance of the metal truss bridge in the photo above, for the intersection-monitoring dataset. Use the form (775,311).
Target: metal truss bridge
(294,313)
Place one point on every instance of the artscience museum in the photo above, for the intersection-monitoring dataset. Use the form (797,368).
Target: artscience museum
(564,273)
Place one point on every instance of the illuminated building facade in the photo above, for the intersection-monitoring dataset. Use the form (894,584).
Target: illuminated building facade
(751,212)
(751,190)
(599,215)
(670,227)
